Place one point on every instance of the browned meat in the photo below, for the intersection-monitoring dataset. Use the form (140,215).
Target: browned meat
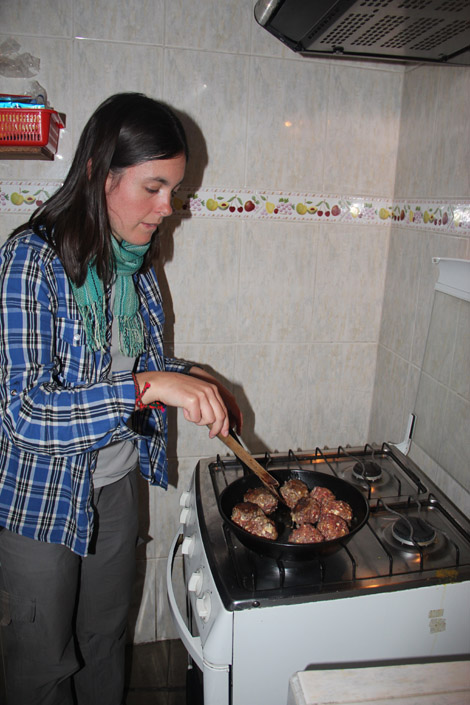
(262,526)
(322,494)
(244,512)
(305,534)
(263,498)
(339,509)
(292,491)
(306,511)
(332,527)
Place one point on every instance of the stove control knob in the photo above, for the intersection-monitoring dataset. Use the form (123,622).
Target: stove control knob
(187,547)
(203,607)
(185,512)
(195,583)
(185,499)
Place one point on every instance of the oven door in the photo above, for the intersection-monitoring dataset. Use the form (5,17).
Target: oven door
(215,674)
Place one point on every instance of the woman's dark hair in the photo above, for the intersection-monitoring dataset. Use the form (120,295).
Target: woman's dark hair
(127,129)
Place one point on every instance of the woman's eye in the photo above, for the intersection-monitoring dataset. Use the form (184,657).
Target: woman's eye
(152,190)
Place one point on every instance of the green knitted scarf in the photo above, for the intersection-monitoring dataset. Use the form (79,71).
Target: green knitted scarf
(90,298)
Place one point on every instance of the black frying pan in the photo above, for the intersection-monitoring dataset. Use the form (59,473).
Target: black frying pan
(281,549)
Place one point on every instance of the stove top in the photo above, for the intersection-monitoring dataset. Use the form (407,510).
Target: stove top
(414,535)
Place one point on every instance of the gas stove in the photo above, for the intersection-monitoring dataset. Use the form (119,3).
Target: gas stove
(398,589)
(414,535)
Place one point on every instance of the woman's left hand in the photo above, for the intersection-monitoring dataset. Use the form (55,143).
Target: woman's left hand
(235,415)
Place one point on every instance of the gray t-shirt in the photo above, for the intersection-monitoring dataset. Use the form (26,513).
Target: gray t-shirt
(117,459)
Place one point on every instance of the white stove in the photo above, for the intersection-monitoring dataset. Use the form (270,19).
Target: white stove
(254,620)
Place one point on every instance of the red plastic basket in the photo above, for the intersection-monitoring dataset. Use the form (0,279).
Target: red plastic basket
(33,128)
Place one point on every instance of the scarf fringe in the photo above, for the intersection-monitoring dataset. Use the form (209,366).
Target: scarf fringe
(94,320)
(131,334)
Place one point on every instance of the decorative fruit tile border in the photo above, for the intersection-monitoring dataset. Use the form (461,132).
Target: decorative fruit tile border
(25,196)
(454,217)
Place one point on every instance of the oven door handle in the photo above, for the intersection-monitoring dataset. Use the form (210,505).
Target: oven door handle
(192,643)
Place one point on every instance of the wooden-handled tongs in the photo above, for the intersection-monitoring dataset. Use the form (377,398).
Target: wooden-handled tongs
(270,482)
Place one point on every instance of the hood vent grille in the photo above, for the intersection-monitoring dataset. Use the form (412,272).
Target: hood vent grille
(395,30)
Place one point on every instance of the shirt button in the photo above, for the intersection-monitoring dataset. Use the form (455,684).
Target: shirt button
(14,392)
(76,337)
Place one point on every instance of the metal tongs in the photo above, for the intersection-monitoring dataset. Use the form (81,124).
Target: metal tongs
(270,482)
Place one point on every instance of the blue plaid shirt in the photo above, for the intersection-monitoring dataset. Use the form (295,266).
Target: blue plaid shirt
(61,403)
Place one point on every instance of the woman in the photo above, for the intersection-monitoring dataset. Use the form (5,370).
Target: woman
(84,386)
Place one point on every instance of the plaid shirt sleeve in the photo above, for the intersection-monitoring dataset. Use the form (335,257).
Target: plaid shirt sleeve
(49,402)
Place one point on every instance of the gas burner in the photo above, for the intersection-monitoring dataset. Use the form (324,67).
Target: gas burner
(368,470)
(413,531)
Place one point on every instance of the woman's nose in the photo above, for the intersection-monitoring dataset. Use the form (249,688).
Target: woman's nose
(164,206)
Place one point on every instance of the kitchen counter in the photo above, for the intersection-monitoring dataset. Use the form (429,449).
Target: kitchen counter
(443,683)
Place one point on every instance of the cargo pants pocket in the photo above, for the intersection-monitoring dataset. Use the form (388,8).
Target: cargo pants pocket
(16,609)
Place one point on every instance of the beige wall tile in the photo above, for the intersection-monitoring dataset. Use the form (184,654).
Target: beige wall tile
(104,68)
(441,341)
(401,291)
(394,397)
(140,21)
(279,156)
(273,378)
(432,245)
(277,278)
(38,17)
(212,25)
(454,453)
(8,223)
(415,154)
(460,375)
(202,281)
(363,128)
(212,89)
(451,175)
(339,393)
(434,147)
(349,283)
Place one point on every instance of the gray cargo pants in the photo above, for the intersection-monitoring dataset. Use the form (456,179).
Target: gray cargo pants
(64,618)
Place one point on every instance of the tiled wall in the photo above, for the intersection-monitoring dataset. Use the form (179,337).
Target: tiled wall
(442,428)
(286,306)
(433,159)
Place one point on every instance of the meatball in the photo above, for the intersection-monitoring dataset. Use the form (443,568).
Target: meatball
(305,534)
(244,512)
(306,511)
(339,509)
(263,498)
(322,494)
(262,526)
(332,527)
(292,491)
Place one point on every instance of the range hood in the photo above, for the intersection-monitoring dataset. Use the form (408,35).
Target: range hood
(406,31)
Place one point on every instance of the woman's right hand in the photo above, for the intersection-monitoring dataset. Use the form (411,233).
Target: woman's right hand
(200,399)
